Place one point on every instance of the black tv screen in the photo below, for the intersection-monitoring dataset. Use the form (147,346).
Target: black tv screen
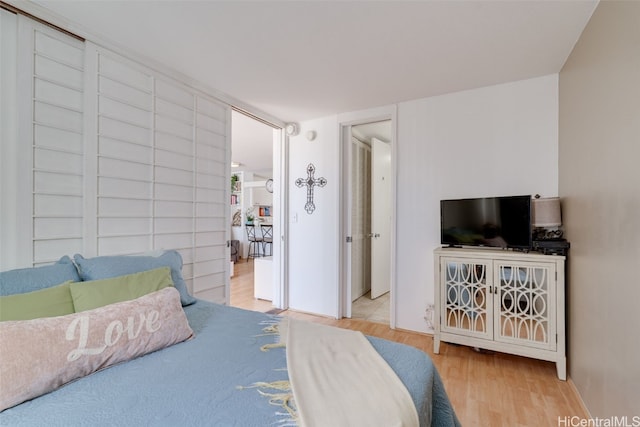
(503,222)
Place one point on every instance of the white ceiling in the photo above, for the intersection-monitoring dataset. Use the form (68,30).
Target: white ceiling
(298,60)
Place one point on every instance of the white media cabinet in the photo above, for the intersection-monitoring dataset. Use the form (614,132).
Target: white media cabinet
(501,300)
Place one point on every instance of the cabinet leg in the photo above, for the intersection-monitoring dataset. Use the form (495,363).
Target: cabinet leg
(436,344)
(561,368)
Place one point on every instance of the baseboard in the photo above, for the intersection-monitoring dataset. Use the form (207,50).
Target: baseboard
(308,313)
(426,334)
(580,400)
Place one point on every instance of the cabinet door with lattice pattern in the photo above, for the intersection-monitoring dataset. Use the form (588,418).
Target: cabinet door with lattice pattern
(525,308)
(465,300)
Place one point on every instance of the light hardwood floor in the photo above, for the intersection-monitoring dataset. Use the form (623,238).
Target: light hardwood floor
(486,389)
(242,288)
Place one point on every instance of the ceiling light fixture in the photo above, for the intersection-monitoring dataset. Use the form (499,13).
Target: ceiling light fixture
(236,164)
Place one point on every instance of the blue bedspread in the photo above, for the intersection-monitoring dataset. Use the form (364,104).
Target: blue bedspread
(200,382)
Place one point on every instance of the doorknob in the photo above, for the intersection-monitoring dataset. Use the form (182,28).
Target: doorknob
(376,235)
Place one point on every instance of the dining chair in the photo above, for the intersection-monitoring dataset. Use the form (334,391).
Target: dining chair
(267,238)
(255,242)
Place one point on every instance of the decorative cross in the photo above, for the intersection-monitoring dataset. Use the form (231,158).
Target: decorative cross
(310,182)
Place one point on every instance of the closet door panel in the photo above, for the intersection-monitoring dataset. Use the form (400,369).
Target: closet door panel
(50,141)
(173,225)
(203,164)
(122,169)
(113,67)
(57,46)
(214,110)
(122,92)
(174,127)
(176,176)
(59,72)
(114,149)
(214,123)
(210,138)
(57,116)
(124,188)
(57,206)
(172,143)
(174,170)
(173,209)
(123,226)
(212,216)
(124,112)
(205,209)
(181,241)
(175,160)
(117,158)
(57,228)
(123,208)
(174,193)
(210,181)
(54,183)
(174,93)
(119,130)
(56,94)
(114,245)
(44,158)
(47,250)
(58,139)
(166,108)
(123,180)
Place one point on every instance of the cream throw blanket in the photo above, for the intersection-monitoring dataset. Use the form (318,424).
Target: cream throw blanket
(339,379)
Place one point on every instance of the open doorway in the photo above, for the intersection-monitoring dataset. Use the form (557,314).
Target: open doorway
(254,212)
(371,221)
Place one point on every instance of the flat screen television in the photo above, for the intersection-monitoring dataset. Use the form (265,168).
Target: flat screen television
(503,222)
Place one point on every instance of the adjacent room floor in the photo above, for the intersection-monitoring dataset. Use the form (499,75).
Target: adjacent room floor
(373,310)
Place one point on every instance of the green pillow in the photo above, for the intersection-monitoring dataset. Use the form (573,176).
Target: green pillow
(48,302)
(98,293)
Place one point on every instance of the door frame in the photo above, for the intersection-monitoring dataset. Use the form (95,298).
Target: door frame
(280,227)
(345,122)
(280,163)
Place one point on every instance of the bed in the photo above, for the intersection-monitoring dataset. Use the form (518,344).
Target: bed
(229,373)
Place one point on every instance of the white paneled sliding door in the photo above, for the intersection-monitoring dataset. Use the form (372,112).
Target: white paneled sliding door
(122,191)
(162,155)
(49,145)
(102,155)
(212,144)
(174,173)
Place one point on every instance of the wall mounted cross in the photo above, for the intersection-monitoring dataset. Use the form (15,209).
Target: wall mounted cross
(310,182)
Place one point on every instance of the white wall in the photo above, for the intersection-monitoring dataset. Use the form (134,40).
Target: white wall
(498,140)
(314,239)
(600,188)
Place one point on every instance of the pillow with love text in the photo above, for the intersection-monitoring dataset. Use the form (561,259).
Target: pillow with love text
(41,355)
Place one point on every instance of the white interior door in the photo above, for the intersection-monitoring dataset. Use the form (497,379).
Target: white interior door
(360,219)
(380,218)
